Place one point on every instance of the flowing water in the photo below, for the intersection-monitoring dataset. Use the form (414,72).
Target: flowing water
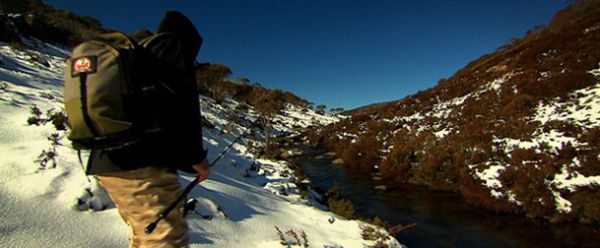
(444,219)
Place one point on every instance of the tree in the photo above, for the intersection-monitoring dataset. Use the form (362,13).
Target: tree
(209,78)
(268,104)
(320,109)
(336,111)
(244,81)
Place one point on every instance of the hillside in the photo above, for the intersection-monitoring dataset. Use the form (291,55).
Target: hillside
(33,18)
(517,130)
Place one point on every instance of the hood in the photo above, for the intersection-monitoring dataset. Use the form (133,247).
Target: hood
(177,23)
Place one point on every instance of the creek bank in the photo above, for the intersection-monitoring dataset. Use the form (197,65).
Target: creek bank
(443,219)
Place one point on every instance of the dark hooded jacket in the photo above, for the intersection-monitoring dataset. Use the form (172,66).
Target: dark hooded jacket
(179,144)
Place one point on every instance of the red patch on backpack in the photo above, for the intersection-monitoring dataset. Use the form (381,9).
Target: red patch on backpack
(86,64)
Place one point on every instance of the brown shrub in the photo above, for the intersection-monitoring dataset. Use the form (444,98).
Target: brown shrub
(562,84)
(341,207)
(520,105)
(526,178)
(475,193)
(398,163)
(349,153)
(586,204)
(338,204)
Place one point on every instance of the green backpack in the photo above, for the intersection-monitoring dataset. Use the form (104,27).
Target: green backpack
(107,94)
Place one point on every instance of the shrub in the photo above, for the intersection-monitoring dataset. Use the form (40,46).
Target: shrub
(341,207)
(36,117)
(46,158)
(586,204)
(291,238)
(58,119)
(369,232)
(271,150)
(526,178)
(349,152)
(338,204)
(398,163)
(520,105)
(475,193)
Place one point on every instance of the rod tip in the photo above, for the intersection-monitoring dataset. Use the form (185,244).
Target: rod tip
(150,228)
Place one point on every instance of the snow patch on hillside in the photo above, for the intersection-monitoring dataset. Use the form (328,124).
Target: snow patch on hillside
(443,110)
(581,109)
(570,180)
(494,86)
(490,177)
(554,141)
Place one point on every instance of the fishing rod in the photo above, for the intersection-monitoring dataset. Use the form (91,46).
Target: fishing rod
(150,228)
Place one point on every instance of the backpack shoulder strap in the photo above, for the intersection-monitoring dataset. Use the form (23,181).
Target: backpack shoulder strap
(165,46)
(117,40)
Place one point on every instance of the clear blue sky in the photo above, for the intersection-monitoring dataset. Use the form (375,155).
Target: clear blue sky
(342,53)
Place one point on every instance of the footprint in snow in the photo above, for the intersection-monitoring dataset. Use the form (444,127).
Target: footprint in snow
(90,201)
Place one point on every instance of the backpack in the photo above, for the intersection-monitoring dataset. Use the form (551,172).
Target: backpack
(108,94)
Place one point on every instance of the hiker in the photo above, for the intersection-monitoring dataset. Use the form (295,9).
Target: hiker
(141,178)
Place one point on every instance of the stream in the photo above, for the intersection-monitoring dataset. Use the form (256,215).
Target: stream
(443,219)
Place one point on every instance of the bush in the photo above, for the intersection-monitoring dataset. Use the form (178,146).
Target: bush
(58,119)
(526,178)
(475,193)
(47,158)
(586,204)
(291,238)
(36,117)
(338,204)
(341,207)
(520,105)
(271,150)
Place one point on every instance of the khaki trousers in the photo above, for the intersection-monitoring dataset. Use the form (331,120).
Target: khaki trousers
(140,195)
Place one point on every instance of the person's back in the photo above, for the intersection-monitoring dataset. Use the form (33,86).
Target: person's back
(141,178)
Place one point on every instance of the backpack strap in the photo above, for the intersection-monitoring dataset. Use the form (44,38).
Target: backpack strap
(84,105)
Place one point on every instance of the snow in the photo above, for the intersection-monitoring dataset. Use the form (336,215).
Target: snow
(494,85)
(441,111)
(442,133)
(569,180)
(582,109)
(39,205)
(490,179)
(562,205)
(554,140)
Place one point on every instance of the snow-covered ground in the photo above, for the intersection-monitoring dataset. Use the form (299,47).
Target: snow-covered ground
(39,206)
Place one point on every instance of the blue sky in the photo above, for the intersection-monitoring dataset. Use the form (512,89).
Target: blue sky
(341,53)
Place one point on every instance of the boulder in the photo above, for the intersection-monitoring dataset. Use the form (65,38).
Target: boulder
(381,187)
(330,154)
(338,161)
